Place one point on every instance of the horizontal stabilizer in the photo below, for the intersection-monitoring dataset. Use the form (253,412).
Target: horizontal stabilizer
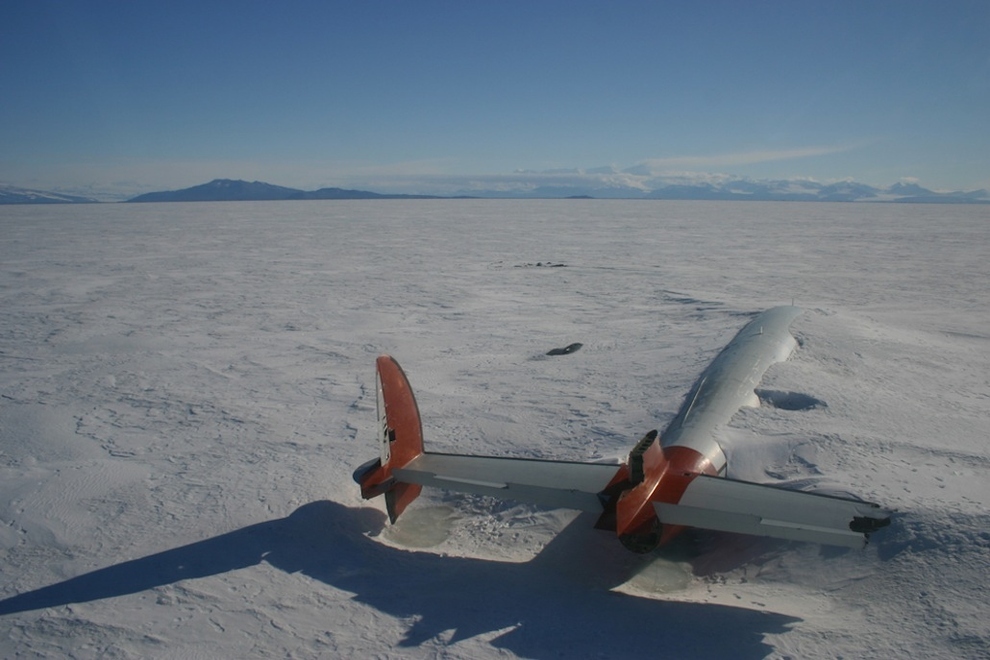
(561,484)
(746,508)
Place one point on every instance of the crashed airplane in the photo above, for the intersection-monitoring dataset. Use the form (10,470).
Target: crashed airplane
(670,481)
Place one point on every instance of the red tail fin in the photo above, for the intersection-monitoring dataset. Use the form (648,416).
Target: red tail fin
(400,437)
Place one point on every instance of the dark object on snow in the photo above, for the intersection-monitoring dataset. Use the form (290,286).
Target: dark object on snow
(566,350)
(789,400)
(863,525)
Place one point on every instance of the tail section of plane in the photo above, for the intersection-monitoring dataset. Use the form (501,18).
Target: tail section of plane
(400,438)
(657,493)
(403,467)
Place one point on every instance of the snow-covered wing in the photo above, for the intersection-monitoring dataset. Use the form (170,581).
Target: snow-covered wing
(746,508)
(561,484)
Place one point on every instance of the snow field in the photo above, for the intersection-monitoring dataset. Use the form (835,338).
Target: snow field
(186,389)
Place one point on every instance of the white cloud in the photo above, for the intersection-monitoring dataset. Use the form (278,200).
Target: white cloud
(742,158)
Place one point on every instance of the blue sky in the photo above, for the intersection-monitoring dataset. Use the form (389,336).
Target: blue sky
(428,96)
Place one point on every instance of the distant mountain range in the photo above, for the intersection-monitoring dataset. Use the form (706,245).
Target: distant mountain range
(634,183)
(573,184)
(227,190)
(716,188)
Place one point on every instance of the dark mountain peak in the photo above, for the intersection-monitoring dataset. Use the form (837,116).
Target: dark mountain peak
(237,190)
(222,190)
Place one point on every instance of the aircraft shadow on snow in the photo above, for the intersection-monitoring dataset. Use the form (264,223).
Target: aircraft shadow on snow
(555,605)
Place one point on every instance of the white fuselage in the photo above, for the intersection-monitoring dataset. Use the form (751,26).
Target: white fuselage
(729,383)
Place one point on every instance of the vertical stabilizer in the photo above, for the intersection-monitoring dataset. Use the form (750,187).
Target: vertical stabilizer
(400,438)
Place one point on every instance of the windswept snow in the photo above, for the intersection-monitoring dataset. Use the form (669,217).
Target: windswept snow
(186,390)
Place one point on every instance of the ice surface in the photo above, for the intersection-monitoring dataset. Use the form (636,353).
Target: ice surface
(186,389)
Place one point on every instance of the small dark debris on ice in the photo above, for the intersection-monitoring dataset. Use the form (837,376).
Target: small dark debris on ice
(567,350)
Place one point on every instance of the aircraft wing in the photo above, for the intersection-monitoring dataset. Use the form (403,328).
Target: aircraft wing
(746,508)
(562,484)
(708,502)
